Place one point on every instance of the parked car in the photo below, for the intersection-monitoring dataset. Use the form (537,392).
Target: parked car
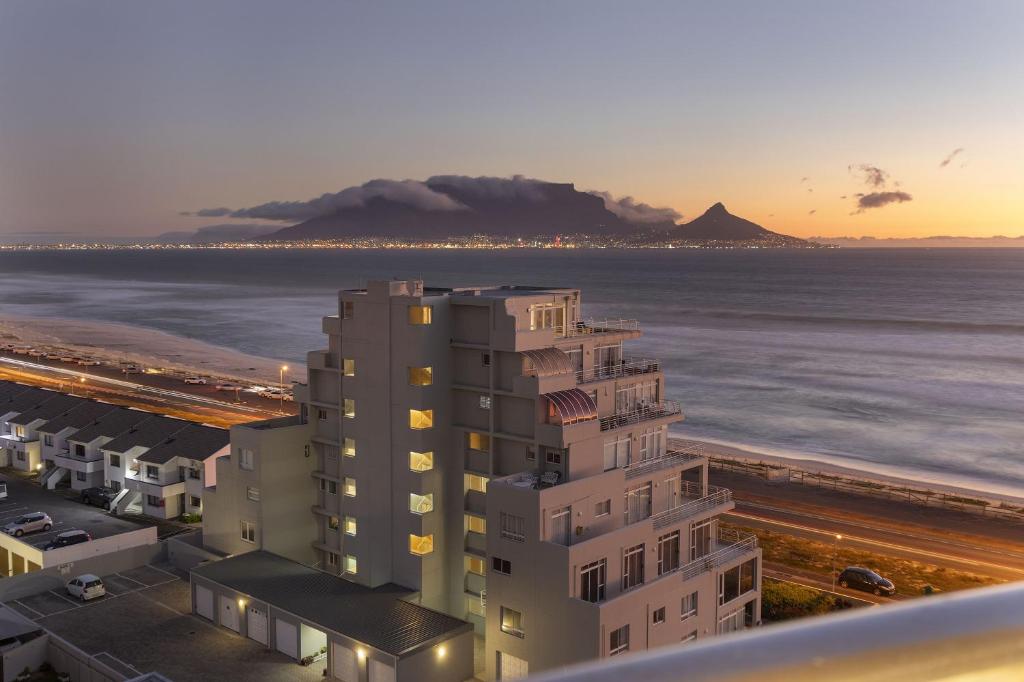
(68,538)
(229,387)
(86,587)
(67,358)
(866,580)
(29,523)
(89,362)
(99,496)
(274,395)
(195,380)
(131,369)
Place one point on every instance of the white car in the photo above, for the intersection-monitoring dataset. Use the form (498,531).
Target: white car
(67,358)
(29,523)
(229,387)
(89,362)
(86,586)
(195,380)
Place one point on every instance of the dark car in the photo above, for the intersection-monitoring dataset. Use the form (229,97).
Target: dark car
(68,538)
(100,497)
(867,580)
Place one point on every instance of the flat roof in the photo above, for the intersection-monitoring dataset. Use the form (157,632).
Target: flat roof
(378,617)
(191,442)
(149,433)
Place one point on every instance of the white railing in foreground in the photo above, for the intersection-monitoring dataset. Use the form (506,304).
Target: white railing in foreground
(972,635)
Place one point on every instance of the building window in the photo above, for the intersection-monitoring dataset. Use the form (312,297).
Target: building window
(351,564)
(603,508)
(475,482)
(152,471)
(246,459)
(658,616)
(503,566)
(592,581)
(330,487)
(348,447)
(633,567)
(152,500)
(421,376)
(115,461)
(616,453)
(333,523)
(618,641)
(689,607)
(421,504)
(638,504)
(668,552)
(478,441)
(420,314)
(194,501)
(252,494)
(485,359)
(548,316)
(700,539)
(475,524)
(348,310)
(553,456)
(349,487)
(736,581)
(332,559)
(421,461)
(80,475)
(513,527)
(249,531)
(474,565)
(421,544)
(531,455)
(511,622)
(348,367)
(350,525)
(421,419)
(689,638)
(47,439)
(349,408)
(321,414)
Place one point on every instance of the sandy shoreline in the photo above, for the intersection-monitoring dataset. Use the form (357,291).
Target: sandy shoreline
(115,343)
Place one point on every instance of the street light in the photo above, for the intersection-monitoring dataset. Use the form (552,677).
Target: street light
(835,552)
(284,368)
(81,380)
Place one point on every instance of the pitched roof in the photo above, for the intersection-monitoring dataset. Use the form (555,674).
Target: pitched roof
(147,434)
(26,400)
(377,617)
(112,424)
(86,413)
(192,442)
(54,407)
(9,389)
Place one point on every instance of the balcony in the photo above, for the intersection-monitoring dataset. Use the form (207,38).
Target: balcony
(75,463)
(628,367)
(590,327)
(729,546)
(672,458)
(716,497)
(647,412)
(133,480)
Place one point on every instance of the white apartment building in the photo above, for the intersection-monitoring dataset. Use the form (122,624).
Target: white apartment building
(501,455)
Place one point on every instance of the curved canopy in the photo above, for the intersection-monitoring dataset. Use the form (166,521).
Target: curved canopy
(572,405)
(549,361)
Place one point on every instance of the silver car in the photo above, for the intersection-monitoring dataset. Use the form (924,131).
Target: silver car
(29,523)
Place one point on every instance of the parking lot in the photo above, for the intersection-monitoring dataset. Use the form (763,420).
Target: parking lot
(145,624)
(24,497)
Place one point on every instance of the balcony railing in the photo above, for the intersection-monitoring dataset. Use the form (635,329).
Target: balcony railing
(731,545)
(669,459)
(626,368)
(585,327)
(657,410)
(715,497)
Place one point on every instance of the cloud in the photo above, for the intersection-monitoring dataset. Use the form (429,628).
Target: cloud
(873,176)
(812,212)
(213,212)
(952,155)
(879,199)
(804,179)
(489,187)
(843,197)
(633,211)
(878,180)
(810,190)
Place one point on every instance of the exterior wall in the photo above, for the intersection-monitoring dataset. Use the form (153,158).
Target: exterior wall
(90,464)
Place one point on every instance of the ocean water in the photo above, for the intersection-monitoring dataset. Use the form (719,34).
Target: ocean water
(905,361)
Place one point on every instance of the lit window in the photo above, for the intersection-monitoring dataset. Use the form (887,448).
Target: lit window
(348,367)
(249,531)
(478,441)
(350,408)
(475,482)
(351,565)
(333,522)
(348,447)
(350,525)
(618,642)
(252,494)
(421,544)
(474,565)
(475,524)
(511,622)
(421,461)
(421,376)
(246,459)
(420,314)
(485,402)
(421,504)
(421,419)
(350,487)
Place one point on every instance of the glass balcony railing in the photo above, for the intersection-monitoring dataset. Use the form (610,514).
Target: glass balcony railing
(625,368)
(641,413)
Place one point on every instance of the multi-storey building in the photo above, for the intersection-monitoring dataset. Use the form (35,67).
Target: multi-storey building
(502,456)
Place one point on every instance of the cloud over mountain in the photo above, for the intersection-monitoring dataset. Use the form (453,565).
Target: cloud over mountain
(631,210)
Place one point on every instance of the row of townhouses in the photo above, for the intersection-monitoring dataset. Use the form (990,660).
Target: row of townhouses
(158,465)
(501,457)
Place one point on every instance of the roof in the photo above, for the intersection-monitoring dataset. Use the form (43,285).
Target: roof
(86,413)
(377,617)
(10,388)
(147,434)
(110,425)
(192,442)
(573,405)
(54,407)
(549,361)
(26,400)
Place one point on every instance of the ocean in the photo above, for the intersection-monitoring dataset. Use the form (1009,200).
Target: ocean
(903,361)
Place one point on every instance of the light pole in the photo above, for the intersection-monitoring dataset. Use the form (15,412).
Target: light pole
(81,380)
(835,552)
(284,368)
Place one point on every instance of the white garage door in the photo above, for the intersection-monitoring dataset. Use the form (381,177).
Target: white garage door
(511,668)
(229,613)
(204,602)
(381,672)
(256,625)
(346,668)
(286,637)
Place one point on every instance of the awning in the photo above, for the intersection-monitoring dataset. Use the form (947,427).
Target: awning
(572,405)
(549,361)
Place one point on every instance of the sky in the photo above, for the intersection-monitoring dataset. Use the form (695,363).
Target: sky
(116,116)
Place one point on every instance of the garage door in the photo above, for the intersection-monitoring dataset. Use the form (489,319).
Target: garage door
(286,638)
(511,668)
(344,662)
(204,602)
(229,613)
(256,625)
(381,672)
